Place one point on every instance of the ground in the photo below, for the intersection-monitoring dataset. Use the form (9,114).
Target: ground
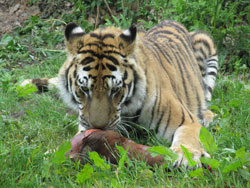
(13,13)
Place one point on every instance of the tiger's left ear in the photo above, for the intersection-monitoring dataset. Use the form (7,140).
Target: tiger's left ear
(128,37)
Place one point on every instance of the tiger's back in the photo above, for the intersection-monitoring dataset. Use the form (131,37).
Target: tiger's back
(171,43)
(168,52)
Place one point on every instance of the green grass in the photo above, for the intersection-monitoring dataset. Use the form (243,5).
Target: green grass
(31,124)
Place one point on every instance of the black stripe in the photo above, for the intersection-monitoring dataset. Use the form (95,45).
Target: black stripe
(87,60)
(100,37)
(103,67)
(177,25)
(109,35)
(135,75)
(203,53)
(159,103)
(100,56)
(159,121)
(111,67)
(100,45)
(115,52)
(201,67)
(155,52)
(199,107)
(108,76)
(182,77)
(106,45)
(137,115)
(182,117)
(211,60)
(166,32)
(88,68)
(128,101)
(93,44)
(74,73)
(152,112)
(91,52)
(163,52)
(67,75)
(113,59)
(70,83)
(125,76)
(97,66)
(205,43)
(94,35)
(168,119)
(135,79)
(212,74)
(211,66)
(209,89)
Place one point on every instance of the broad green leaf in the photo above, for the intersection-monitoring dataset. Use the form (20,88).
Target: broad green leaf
(167,153)
(123,157)
(85,174)
(98,161)
(212,162)
(232,166)
(207,140)
(196,173)
(59,156)
(24,91)
(188,156)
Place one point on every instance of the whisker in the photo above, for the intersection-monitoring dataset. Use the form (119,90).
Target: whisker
(130,117)
(122,129)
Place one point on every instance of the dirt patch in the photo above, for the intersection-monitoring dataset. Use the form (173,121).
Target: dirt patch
(13,14)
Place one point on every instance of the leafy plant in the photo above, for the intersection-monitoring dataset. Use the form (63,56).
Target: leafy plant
(24,91)
(167,153)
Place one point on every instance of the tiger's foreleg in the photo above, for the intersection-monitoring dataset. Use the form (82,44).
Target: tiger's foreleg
(188,136)
(42,84)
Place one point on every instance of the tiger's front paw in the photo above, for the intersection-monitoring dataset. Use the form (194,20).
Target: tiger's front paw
(26,82)
(197,153)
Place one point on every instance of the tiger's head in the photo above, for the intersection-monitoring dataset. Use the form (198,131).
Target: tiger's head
(100,76)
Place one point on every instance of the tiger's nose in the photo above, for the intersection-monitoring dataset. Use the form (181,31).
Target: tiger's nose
(99,123)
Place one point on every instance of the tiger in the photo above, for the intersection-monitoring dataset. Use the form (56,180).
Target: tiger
(162,78)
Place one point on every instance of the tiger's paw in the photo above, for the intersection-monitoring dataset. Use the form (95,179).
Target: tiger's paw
(26,82)
(182,161)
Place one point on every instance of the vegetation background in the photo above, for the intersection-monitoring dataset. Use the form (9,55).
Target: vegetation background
(31,46)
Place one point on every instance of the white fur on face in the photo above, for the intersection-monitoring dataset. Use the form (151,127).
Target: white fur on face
(84,80)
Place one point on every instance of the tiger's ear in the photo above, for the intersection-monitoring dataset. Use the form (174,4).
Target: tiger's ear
(73,34)
(128,38)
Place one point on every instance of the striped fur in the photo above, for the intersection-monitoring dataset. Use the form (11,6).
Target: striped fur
(162,78)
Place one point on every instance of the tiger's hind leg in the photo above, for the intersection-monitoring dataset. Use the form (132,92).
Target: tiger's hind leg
(208,117)
(42,84)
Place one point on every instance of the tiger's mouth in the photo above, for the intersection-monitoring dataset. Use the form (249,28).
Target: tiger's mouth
(113,125)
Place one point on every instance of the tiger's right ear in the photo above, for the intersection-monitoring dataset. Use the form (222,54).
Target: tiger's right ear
(73,34)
